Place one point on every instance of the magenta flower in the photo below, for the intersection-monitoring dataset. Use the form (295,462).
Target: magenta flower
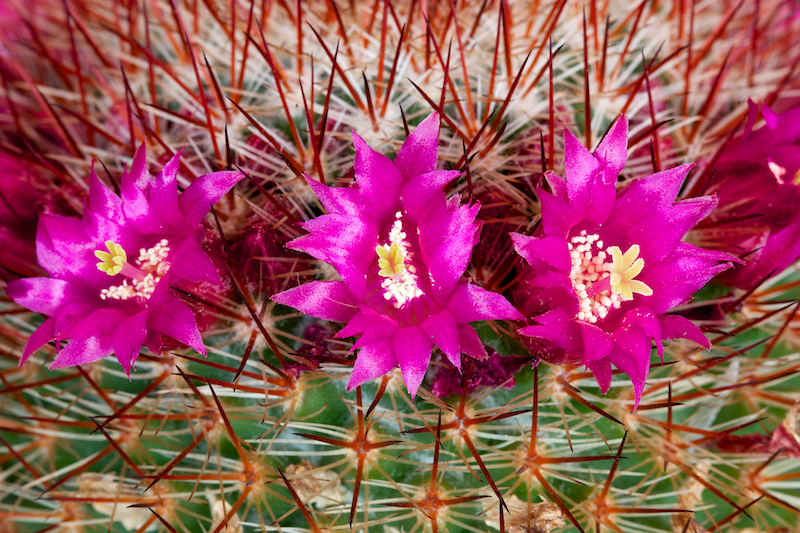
(758,185)
(109,290)
(605,266)
(400,247)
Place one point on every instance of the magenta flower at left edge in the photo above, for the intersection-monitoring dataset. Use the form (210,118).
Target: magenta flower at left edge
(400,247)
(607,265)
(110,273)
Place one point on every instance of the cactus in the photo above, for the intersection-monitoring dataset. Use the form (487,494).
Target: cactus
(262,434)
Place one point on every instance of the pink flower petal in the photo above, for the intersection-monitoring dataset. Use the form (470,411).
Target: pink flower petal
(632,356)
(678,276)
(329,300)
(371,324)
(646,215)
(552,251)
(557,328)
(678,327)
(470,342)
(446,243)
(553,279)
(557,214)
(412,348)
(601,370)
(163,195)
(128,339)
(770,117)
(420,150)
(582,170)
(135,180)
(346,242)
(83,351)
(651,193)
(470,303)
(204,192)
(645,318)
(153,341)
(613,150)
(781,249)
(137,176)
(442,329)
(342,200)
(378,178)
(102,200)
(558,185)
(163,293)
(64,249)
(752,117)
(373,361)
(418,190)
(597,344)
(101,321)
(177,320)
(191,263)
(43,334)
(133,190)
(43,295)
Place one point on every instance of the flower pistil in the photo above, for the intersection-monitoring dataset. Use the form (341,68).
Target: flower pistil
(113,261)
(152,265)
(624,269)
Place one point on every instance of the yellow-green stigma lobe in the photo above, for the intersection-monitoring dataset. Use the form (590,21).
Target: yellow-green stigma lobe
(623,269)
(113,261)
(390,261)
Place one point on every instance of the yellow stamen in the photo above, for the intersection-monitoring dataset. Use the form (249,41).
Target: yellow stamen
(113,261)
(391,261)
(623,269)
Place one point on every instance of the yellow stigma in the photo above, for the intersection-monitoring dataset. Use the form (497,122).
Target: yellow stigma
(111,262)
(623,269)
(390,261)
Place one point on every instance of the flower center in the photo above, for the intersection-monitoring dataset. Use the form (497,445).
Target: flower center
(401,280)
(599,284)
(142,279)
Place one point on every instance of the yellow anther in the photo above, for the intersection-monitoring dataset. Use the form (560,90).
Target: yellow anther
(623,269)
(391,261)
(113,261)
